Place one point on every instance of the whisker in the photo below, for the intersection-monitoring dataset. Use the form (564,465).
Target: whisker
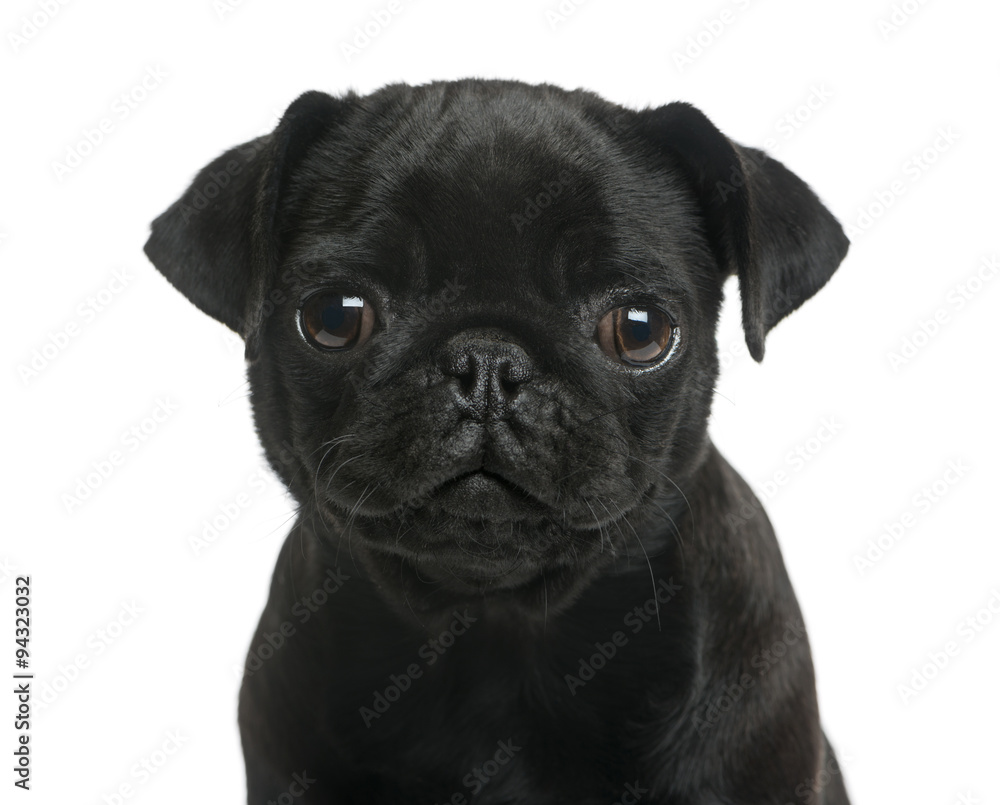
(365,494)
(339,468)
(652,577)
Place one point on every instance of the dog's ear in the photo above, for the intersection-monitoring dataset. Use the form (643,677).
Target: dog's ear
(765,224)
(217,243)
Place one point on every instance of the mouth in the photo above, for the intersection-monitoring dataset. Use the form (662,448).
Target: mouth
(485,517)
(481,494)
(477,530)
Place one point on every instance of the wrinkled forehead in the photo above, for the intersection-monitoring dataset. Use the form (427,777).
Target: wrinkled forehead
(495,199)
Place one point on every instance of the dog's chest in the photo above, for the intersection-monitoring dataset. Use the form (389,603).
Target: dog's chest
(499,717)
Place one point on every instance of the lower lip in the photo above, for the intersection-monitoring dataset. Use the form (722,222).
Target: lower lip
(479,483)
(479,495)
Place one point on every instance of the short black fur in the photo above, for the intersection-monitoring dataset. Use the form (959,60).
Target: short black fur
(480,473)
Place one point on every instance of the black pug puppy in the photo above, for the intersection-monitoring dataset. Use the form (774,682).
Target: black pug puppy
(480,331)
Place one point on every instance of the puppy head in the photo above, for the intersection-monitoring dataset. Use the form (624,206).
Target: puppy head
(480,316)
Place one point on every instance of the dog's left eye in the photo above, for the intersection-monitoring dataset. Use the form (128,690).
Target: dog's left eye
(635,335)
(333,320)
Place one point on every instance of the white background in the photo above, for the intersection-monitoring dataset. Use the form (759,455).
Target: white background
(228,73)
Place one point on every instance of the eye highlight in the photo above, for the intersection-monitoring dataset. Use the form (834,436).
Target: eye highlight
(333,320)
(636,335)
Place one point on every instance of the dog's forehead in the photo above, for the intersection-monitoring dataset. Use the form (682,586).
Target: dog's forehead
(500,211)
(503,192)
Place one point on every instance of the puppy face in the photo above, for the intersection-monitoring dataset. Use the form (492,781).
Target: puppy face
(507,388)
(480,316)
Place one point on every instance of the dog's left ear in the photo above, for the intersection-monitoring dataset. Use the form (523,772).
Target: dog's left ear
(217,243)
(764,222)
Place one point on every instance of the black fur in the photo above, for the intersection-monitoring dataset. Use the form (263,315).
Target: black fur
(481,464)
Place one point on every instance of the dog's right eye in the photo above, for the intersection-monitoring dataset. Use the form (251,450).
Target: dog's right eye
(638,336)
(332,320)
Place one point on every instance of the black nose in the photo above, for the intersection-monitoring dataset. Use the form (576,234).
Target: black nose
(489,370)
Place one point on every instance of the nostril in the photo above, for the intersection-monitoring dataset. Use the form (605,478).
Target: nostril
(467,380)
(512,372)
(510,387)
(462,367)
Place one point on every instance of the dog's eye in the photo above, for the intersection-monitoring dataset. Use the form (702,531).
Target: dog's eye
(637,336)
(337,321)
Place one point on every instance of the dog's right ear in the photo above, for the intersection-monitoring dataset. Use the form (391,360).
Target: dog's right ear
(764,223)
(217,243)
